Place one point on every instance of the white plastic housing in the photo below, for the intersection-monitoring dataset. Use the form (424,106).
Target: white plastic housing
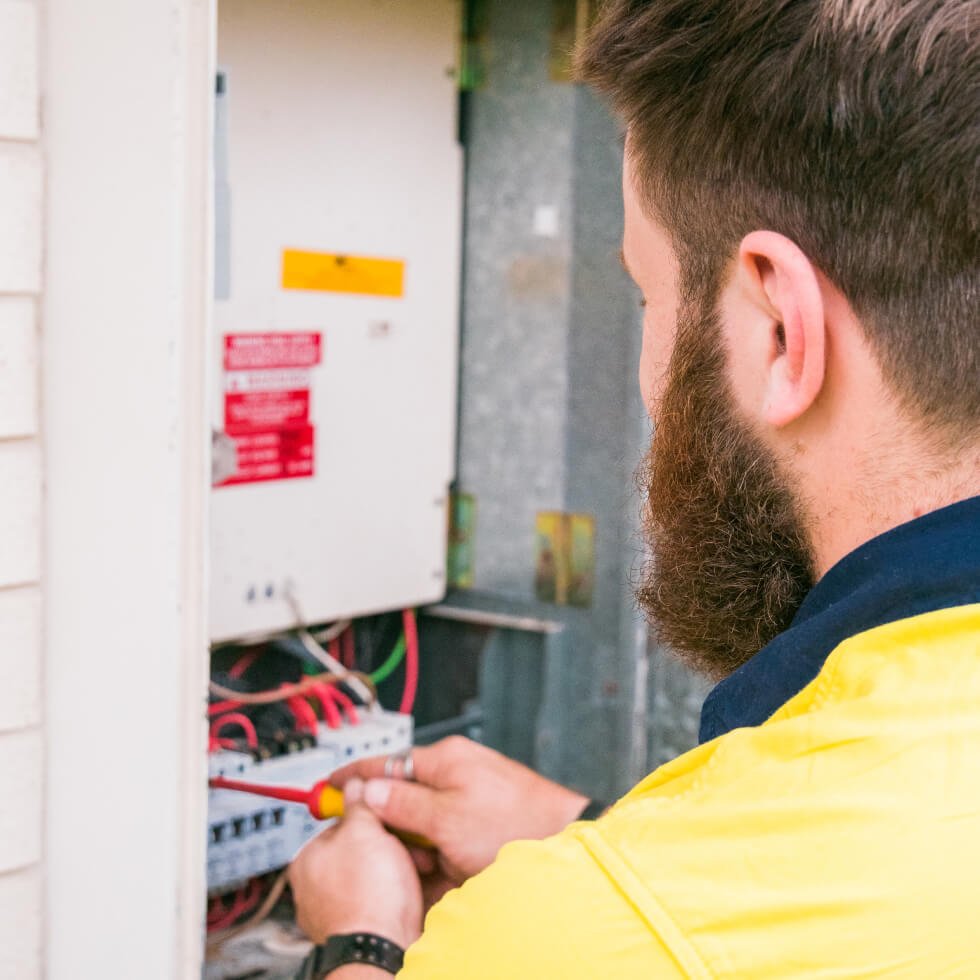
(340,126)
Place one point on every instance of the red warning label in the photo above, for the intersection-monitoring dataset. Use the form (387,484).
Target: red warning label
(267,404)
(271,350)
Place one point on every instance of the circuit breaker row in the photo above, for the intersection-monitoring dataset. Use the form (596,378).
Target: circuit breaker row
(251,835)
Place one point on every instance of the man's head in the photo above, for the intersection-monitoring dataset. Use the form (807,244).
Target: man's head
(803,215)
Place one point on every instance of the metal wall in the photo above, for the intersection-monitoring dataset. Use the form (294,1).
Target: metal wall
(551,417)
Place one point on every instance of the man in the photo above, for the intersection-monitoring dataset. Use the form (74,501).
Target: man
(802,195)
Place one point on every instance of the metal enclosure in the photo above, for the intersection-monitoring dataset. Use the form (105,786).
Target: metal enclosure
(551,417)
(336,134)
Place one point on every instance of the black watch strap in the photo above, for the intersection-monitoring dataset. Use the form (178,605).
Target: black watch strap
(593,810)
(355,947)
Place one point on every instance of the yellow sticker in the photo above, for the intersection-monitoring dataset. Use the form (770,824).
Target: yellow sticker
(565,565)
(328,273)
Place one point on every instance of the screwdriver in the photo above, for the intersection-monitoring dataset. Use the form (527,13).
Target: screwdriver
(322,800)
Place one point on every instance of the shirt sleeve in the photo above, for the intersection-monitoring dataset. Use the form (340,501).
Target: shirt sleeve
(542,909)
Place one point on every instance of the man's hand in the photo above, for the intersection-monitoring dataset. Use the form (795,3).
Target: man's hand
(356,877)
(469,801)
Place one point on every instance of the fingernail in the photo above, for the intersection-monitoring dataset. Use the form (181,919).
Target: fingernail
(376,793)
(353,791)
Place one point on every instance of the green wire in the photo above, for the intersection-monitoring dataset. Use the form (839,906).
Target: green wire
(389,666)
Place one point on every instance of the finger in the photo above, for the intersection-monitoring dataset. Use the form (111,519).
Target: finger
(405,806)
(360,819)
(372,768)
(429,761)
(353,792)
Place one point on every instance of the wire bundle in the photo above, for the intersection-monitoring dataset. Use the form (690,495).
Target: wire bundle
(289,706)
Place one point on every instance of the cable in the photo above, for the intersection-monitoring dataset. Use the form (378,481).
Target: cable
(318,653)
(333,664)
(411,661)
(333,631)
(315,650)
(346,704)
(288,690)
(324,635)
(324,694)
(260,915)
(391,664)
(305,716)
(220,707)
(331,712)
(245,723)
(243,663)
(244,902)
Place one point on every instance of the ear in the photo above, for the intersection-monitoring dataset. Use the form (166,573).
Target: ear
(781,282)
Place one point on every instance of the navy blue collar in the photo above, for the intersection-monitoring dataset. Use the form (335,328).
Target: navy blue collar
(927,564)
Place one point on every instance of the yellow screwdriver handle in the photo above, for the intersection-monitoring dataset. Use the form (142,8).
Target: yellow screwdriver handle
(330,803)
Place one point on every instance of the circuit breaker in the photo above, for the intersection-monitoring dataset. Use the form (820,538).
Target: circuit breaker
(338,215)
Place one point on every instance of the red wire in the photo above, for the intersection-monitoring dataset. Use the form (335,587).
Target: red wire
(243,663)
(322,694)
(411,661)
(220,707)
(244,902)
(347,645)
(227,917)
(305,716)
(345,703)
(237,718)
(330,713)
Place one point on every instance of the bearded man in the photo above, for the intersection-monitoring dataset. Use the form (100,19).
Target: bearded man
(802,193)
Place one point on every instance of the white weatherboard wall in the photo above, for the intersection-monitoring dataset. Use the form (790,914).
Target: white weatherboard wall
(127,119)
(21,207)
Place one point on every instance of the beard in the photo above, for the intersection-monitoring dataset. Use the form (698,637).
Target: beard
(731,558)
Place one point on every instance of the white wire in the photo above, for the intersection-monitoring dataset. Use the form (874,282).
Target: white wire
(332,632)
(315,650)
(319,654)
(334,666)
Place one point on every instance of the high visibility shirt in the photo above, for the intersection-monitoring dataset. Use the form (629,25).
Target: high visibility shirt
(836,837)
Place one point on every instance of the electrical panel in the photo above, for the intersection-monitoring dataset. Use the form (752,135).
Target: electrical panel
(338,213)
(252,835)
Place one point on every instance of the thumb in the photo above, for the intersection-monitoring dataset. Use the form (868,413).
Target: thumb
(405,805)
(358,816)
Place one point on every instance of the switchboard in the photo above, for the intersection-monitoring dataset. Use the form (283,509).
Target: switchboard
(339,183)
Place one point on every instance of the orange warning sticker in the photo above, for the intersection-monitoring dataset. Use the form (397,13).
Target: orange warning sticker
(335,273)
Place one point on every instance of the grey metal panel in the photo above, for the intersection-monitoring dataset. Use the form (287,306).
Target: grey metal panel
(515,296)
(551,417)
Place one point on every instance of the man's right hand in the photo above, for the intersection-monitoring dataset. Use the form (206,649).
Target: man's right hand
(469,801)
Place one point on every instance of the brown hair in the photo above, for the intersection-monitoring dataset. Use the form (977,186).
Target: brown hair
(850,126)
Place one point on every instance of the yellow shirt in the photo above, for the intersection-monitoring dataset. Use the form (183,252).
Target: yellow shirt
(841,838)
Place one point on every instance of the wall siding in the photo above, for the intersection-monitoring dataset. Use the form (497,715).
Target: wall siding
(21,736)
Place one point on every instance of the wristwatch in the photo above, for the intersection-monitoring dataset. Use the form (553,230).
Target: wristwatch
(354,947)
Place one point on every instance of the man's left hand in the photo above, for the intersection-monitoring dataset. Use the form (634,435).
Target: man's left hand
(356,877)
